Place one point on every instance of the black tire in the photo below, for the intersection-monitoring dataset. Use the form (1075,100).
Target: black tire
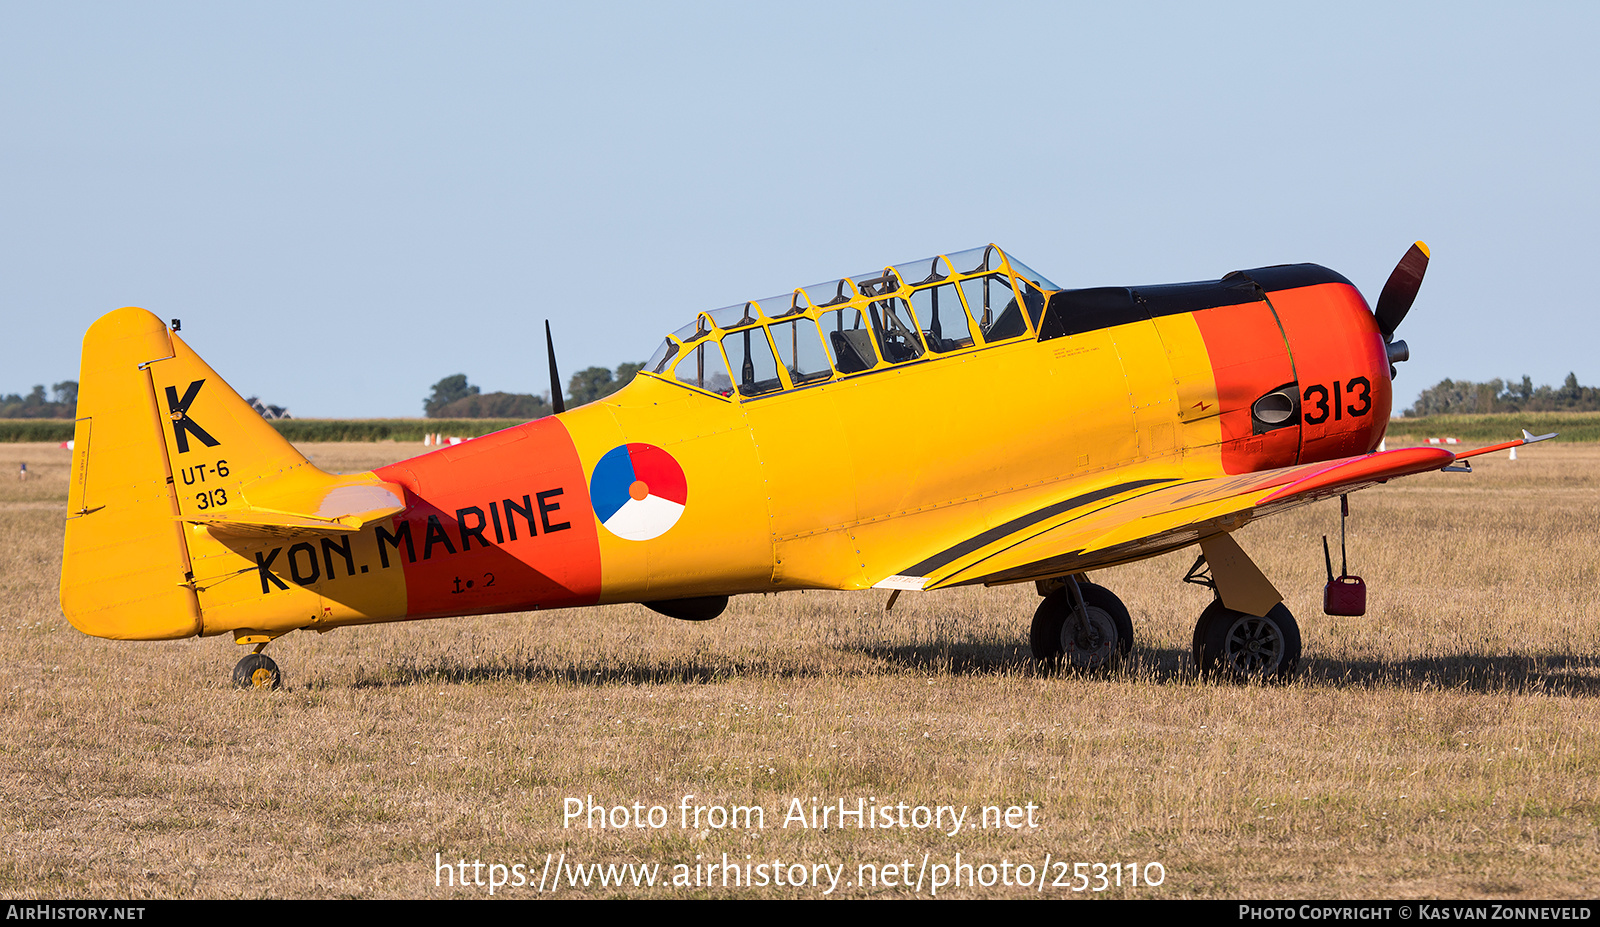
(1233,645)
(1052,647)
(257,671)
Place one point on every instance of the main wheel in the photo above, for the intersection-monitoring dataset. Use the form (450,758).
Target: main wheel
(257,671)
(1056,637)
(1243,647)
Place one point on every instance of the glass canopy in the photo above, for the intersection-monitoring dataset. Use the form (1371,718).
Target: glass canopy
(902,314)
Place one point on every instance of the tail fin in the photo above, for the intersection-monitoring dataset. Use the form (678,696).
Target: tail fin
(165,447)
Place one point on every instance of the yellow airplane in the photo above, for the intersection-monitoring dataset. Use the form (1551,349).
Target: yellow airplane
(949,421)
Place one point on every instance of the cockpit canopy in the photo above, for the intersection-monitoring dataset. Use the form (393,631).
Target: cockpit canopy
(853,325)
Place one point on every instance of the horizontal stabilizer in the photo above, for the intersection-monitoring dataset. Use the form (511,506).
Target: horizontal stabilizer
(345,507)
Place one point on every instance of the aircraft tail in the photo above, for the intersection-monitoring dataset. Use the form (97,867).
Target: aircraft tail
(165,449)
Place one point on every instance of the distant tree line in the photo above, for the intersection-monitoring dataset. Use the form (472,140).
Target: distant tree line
(454,397)
(1456,397)
(34,405)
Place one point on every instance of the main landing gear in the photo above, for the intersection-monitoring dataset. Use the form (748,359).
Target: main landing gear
(1237,645)
(1246,633)
(1080,625)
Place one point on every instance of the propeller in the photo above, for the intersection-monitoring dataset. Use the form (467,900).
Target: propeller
(555,378)
(1399,292)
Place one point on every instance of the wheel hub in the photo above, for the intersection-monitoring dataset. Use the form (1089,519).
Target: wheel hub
(1253,645)
(1092,649)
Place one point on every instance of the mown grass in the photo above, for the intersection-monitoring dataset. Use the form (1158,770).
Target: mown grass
(1443,746)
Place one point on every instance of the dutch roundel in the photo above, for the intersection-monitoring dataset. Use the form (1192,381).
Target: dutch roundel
(638,491)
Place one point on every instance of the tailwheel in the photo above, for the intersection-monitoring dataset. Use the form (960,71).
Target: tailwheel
(1060,638)
(1243,647)
(257,671)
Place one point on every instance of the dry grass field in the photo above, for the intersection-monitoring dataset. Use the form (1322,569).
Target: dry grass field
(1447,745)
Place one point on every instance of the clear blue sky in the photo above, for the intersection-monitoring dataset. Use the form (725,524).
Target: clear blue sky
(345,202)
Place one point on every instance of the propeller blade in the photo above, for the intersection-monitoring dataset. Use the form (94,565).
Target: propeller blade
(1401,290)
(556,401)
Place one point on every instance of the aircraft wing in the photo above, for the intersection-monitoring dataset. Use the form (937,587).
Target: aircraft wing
(1141,518)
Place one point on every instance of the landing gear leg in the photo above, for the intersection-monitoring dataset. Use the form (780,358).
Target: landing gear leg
(257,671)
(1080,625)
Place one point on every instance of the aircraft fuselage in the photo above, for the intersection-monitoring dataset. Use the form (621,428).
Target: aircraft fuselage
(857,458)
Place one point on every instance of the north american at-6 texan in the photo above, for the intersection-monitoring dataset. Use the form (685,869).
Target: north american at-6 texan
(949,421)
